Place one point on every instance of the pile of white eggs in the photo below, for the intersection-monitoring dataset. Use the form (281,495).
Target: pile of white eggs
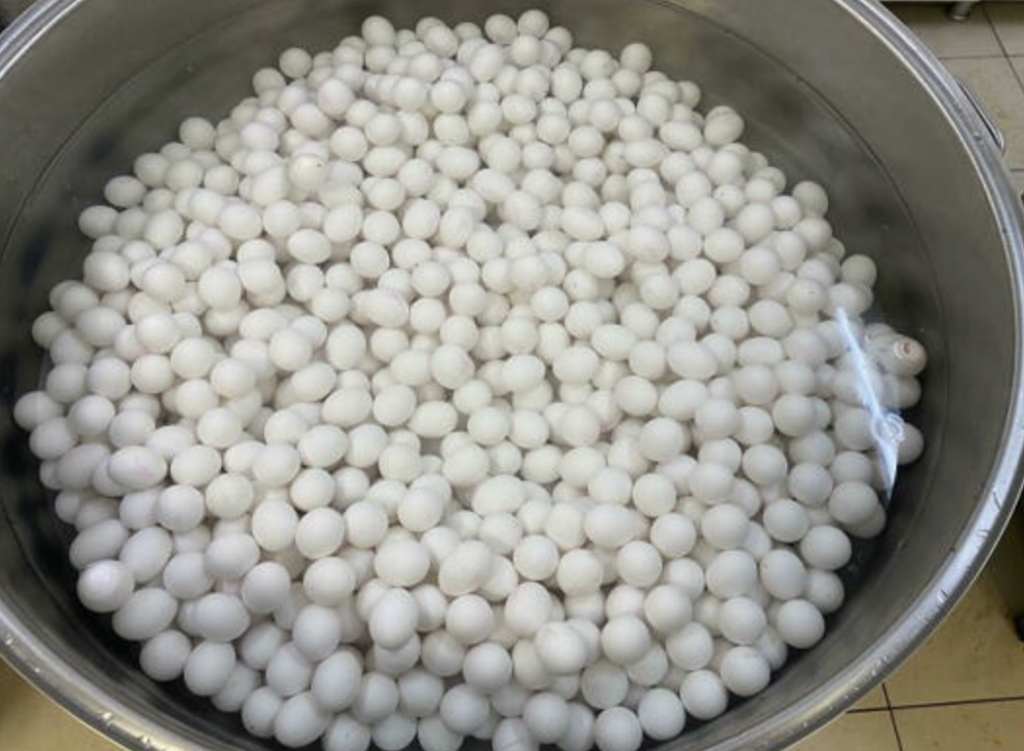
(466,383)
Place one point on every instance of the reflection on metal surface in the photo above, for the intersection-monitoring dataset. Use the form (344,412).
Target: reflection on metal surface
(990,124)
(886,426)
(10,9)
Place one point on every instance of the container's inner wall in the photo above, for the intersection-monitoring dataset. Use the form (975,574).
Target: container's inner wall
(116,77)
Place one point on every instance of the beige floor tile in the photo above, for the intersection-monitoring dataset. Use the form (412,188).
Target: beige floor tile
(874,700)
(996,726)
(29,721)
(1008,21)
(1018,179)
(976,653)
(860,731)
(971,38)
(996,85)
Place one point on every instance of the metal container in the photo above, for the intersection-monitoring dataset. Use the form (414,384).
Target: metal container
(834,90)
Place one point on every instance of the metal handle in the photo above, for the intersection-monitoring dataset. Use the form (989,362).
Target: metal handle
(993,130)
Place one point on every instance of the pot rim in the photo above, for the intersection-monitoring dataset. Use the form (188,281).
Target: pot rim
(104,713)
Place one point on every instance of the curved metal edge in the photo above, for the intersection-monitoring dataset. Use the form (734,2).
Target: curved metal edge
(30,26)
(19,647)
(982,113)
(999,498)
(54,677)
(102,714)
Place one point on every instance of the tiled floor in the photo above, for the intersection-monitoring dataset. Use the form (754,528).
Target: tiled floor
(964,690)
(987,52)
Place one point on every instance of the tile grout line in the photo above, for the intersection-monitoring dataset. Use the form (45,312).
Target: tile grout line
(1013,69)
(892,718)
(962,703)
(885,695)
(1002,47)
(895,730)
(1000,56)
(995,32)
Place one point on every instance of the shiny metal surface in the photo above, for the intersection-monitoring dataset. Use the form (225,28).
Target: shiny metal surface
(833,90)
(990,125)
(11,8)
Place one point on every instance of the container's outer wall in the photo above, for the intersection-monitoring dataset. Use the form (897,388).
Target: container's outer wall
(76,108)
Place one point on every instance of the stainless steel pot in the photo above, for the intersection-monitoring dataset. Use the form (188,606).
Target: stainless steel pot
(834,90)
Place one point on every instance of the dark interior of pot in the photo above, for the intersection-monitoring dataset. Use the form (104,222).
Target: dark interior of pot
(114,78)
